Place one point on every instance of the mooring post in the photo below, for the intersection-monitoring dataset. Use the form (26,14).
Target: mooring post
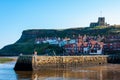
(35,59)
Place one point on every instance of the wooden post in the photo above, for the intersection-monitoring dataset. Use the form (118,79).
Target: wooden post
(35,58)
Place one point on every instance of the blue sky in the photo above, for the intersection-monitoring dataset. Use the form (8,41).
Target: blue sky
(19,15)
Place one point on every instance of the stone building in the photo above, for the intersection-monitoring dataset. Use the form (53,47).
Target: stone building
(101,22)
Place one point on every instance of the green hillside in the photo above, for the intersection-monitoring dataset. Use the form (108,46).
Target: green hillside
(26,44)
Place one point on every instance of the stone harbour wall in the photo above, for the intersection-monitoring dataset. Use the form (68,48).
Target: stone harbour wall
(24,63)
(51,62)
(63,62)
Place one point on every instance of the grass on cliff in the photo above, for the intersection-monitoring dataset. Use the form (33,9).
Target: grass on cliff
(28,49)
(99,27)
(3,60)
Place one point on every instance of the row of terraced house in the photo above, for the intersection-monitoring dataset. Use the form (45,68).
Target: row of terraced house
(112,44)
(83,45)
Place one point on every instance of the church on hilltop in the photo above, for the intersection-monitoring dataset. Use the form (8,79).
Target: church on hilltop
(101,22)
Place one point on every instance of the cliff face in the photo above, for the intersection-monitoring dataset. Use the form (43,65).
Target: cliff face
(32,34)
(28,35)
(26,44)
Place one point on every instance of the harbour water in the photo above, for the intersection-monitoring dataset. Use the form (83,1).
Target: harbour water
(99,72)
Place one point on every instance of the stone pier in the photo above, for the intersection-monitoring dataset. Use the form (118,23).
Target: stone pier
(63,62)
(24,63)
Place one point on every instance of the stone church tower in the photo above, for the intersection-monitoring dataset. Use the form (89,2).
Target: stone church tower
(101,21)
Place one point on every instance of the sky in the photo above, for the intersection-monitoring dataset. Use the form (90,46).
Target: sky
(19,15)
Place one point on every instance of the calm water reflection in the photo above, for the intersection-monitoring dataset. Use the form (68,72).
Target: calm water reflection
(106,72)
(7,72)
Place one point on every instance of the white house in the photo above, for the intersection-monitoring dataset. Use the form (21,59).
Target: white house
(85,49)
(52,41)
(72,41)
(62,43)
(98,52)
